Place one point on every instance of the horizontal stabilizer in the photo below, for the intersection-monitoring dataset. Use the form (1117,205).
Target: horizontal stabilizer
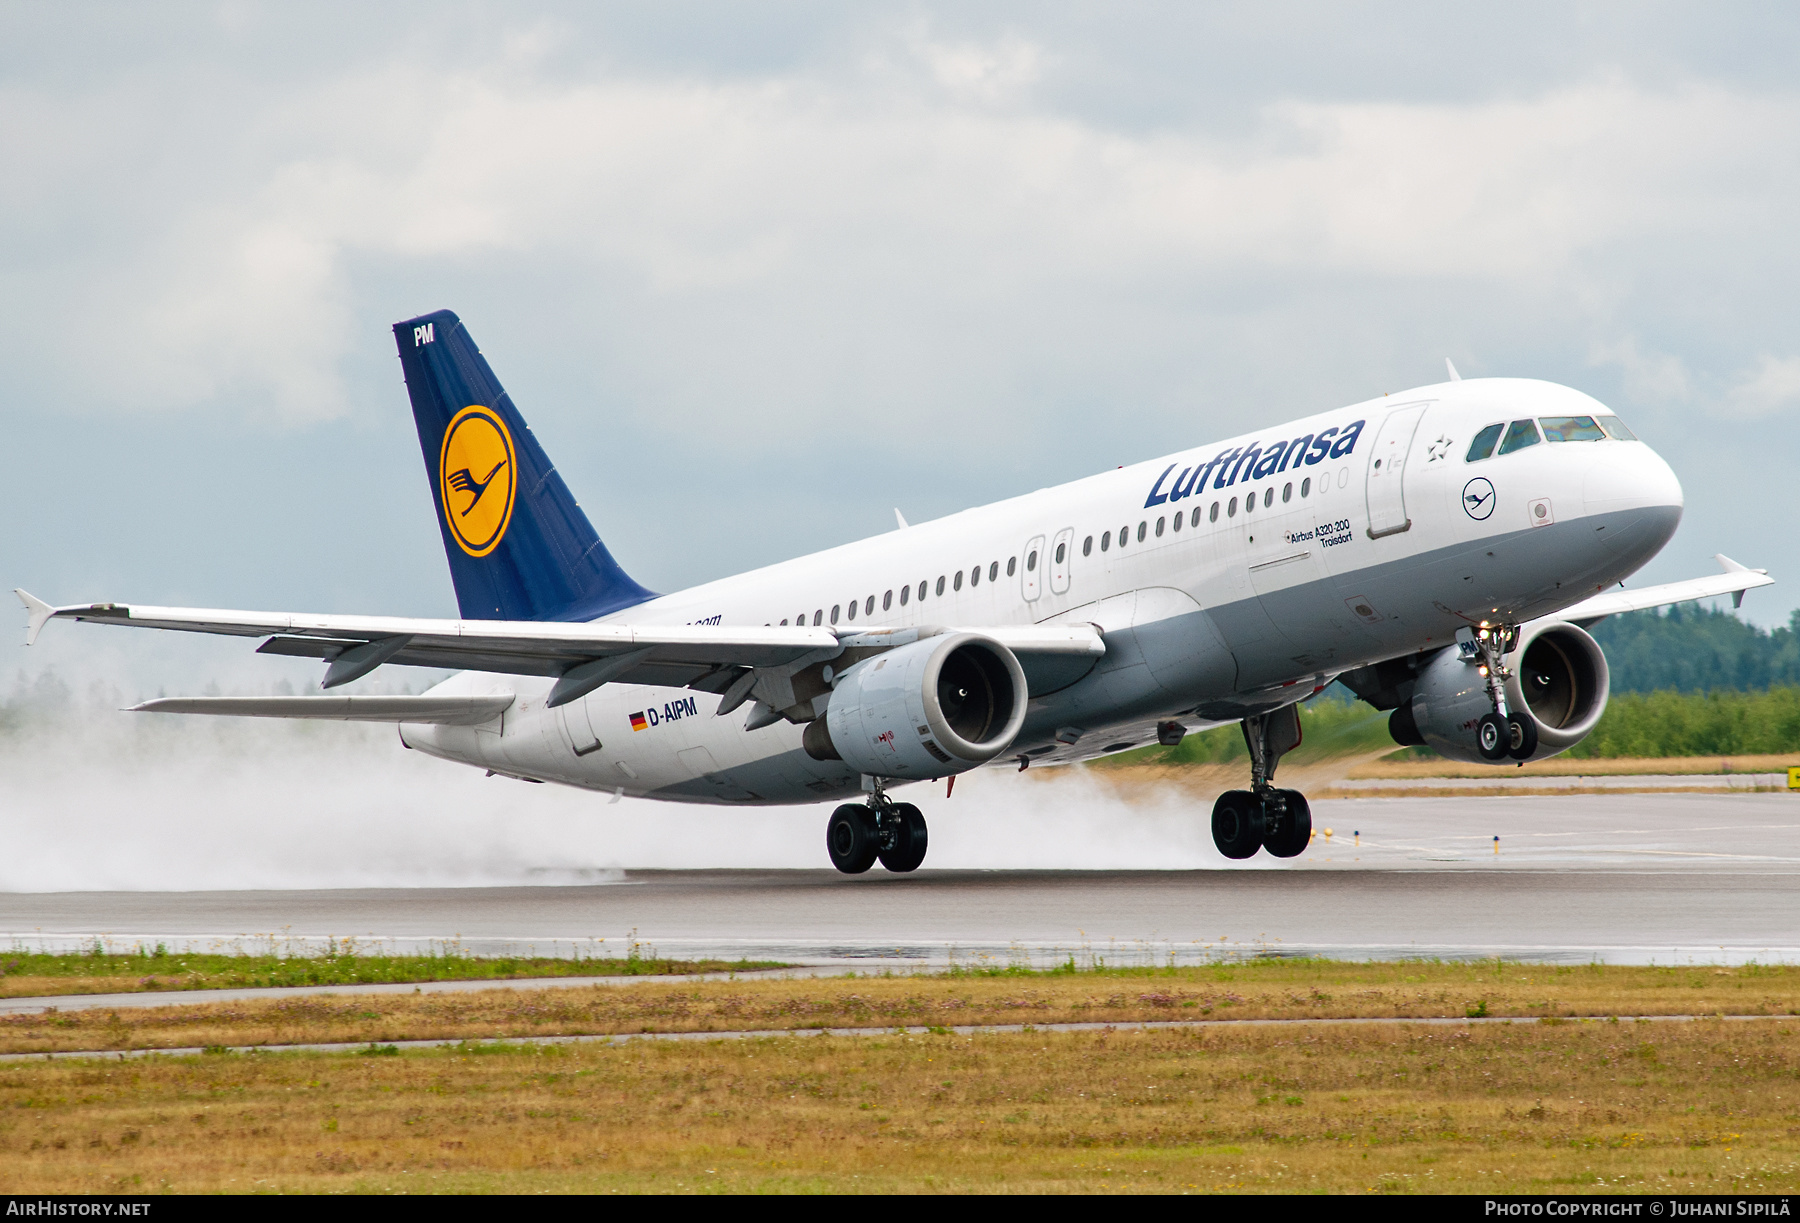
(1734,581)
(441,710)
(37,614)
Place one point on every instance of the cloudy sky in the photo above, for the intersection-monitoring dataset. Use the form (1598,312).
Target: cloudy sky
(759,273)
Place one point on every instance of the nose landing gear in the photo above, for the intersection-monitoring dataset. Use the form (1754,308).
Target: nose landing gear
(1502,733)
(859,834)
(1263,817)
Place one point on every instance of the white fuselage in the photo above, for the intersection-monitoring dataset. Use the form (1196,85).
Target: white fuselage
(1210,609)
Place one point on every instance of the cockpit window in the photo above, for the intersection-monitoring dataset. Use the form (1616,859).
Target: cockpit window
(1483,445)
(1571,429)
(1615,429)
(1519,434)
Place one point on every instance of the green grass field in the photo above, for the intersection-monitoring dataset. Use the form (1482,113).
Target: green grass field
(1550,1103)
(31,974)
(1652,725)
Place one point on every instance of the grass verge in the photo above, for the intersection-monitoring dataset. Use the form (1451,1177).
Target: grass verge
(26,974)
(1565,1107)
(1249,989)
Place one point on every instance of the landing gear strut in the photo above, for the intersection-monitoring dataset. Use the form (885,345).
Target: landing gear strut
(1263,817)
(859,834)
(1502,733)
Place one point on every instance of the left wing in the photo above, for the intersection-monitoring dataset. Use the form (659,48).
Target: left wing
(711,658)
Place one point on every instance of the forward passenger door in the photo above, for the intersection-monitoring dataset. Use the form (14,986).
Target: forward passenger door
(1386,480)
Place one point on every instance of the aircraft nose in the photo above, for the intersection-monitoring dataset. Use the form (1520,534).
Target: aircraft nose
(1634,500)
(1632,477)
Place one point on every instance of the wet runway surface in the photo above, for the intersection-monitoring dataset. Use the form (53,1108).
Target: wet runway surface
(1619,878)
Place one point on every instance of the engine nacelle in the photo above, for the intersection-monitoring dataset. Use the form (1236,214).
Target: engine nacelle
(939,706)
(1559,678)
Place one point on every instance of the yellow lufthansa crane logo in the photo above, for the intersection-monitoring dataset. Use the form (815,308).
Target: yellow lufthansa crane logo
(477,475)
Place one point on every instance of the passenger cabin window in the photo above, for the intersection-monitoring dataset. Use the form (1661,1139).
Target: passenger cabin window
(940,584)
(1012,564)
(869,607)
(1615,429)
(1231,508)
(922,586)
(1306,487)
(1249,501)
(853,603)
(1483,445)
(994,572)
(957,584)
(1143,530)
(1519,434)
(1287,493)
(1087,546)
(1268,496)
(834,613)
(1030,562)
(1124,536)
(1194,518)
(784,622)
(1175,522)
(975,576)
(887,600)
(1061,551)
(1571,429)
(819,616)
(905,594)
(1105,540)
(1213,515)
(1159,528)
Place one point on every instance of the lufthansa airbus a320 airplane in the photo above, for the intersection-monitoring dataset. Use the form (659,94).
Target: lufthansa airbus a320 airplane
(1438,551)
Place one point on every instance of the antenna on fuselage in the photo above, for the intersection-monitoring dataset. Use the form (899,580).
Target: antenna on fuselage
(1454,376)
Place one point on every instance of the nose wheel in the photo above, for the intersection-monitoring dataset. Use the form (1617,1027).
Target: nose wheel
(1503,733)
(860,834)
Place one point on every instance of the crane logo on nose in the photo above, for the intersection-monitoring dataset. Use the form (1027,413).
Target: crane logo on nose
(475,472)
(1478,498)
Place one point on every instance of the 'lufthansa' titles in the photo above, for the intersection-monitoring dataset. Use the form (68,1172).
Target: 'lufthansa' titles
(1256,462)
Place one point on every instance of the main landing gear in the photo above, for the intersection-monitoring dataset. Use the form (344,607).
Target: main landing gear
(1263,817)
(1502,733)
(860,833)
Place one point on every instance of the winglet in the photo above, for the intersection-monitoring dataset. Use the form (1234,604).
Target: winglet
(1728,565)
(900,518)
(1454,376)
(38,614)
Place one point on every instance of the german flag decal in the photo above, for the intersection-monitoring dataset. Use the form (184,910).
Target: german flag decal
(638,723)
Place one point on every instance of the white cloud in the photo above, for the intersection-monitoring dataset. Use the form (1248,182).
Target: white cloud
(1773,387)
(1657,377)
(801,200)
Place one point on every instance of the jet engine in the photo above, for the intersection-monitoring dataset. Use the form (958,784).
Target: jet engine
(939,706)
(1559,678)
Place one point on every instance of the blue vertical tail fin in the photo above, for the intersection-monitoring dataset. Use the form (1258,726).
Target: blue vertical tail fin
(519,546)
